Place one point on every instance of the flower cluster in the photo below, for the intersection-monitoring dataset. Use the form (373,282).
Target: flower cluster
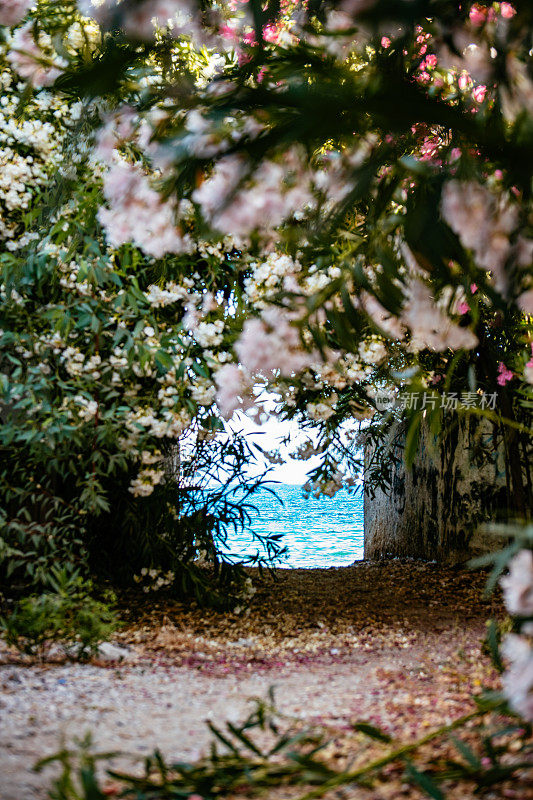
(35,59)
(143,485)
(31,149)
(518,594)
(235,201)
(136,213)
(154,580)
(484,224)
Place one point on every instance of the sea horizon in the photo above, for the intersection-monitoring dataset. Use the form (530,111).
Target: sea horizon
(318,532)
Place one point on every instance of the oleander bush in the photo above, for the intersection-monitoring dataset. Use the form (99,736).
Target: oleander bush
(111,461)
(326,201)
(239,200)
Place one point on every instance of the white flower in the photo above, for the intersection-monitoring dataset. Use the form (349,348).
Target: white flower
(144,484)
(517,680)
(203,392)
(150,458)
(518,585)
(87,409)
(159,298)
(209,334)
(269,276)
(80,36)
(322,411)
(372,351)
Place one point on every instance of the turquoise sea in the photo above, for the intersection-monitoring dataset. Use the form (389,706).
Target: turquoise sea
(324,532)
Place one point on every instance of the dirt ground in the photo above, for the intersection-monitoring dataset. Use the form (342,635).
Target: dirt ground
(397,644)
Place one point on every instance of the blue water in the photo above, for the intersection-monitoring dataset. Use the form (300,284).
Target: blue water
(324,532)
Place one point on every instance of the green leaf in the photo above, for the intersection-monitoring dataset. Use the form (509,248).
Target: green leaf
(247,742)
(467,753)
(493,643)
(372,731)
(90,785)
(426,783)
(220,736)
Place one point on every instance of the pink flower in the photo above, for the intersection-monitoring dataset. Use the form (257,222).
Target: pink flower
(463,308)
(507,10)
(477,15)
(13,11)
(473,288)
(385,42)
(505,375)
(525,302)
(464,81)
(138,214)
(28,59)
(479,93)
(234,390)
(431,61)
(272,343)
(272,33)
(227,32)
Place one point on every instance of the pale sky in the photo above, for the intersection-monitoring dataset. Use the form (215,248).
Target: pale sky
(268,436)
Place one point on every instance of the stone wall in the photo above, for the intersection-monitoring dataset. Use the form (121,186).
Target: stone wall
(433,509)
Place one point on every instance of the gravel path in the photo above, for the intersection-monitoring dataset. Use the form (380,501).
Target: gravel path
(339,645)
(136,709)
